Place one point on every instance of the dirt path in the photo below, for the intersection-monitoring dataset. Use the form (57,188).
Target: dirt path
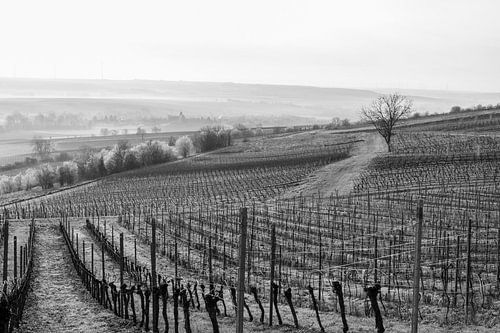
(57,301)
(340,176)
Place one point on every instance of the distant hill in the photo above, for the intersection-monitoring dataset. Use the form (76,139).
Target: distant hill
(209,98)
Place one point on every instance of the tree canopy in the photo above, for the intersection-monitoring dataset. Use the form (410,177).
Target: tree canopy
(385,112)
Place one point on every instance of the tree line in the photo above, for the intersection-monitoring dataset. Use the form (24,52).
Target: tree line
(479,107)
(88,164)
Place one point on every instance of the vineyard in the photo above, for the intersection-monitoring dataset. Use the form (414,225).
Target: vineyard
(486,121)
(160,247)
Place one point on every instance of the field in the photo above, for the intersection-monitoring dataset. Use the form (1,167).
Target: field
(322,207)
(252,104)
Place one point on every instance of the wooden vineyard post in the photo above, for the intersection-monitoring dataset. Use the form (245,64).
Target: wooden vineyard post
(375,261)
(498,255)
(273,259)
(102,262)
(210,272)
(15,258)
(416,272)
(164,234)
(241,270)
(468,272)
(457,271)
(92,257)
(21,257)
(121,259)
(154,276)
(135,252)
(5,250)
(249,261)
(176,257)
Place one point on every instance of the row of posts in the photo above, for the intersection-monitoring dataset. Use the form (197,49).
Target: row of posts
(20,259)
(273,290)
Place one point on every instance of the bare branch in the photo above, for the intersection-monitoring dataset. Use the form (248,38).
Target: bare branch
(385,112)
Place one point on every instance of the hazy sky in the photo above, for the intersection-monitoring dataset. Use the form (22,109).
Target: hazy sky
(439,44)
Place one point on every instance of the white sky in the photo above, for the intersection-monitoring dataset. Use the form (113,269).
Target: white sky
(433,44)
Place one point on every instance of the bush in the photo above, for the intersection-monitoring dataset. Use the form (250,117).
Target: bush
(46,176)
(6,185)
(114,159)
(30,179)
(90,164)
(184,146)
(63,157)
(130,161)
(67,173)
(153,152)
(30,161)
(211,138)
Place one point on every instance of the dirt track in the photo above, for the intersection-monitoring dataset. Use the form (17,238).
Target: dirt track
(340,176)
(58,302)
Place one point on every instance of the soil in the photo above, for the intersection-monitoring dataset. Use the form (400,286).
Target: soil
(57,301)
(339,177)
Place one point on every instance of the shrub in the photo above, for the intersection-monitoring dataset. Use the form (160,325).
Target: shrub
(130,161)
(67,173)
(30,179)
(184,146)
(6,185)
(63,156)
(30,161)
(212,137)
(153,152)
(46,176)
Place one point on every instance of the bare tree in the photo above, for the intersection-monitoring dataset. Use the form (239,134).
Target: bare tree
(385,112)
(42,147)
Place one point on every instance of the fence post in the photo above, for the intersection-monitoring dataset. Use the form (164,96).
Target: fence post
(21,262)
(15,258)
(102,262)
(121,259)
(241,270)
(154,276)
(83,253)
(210,271)
(416,272)
(273,259)
(467,277)
(498,255)
(5,249)
(121,289)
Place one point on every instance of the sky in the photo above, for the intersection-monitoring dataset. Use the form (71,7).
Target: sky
(421,44)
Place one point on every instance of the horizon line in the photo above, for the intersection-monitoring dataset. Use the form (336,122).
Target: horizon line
(359,88)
